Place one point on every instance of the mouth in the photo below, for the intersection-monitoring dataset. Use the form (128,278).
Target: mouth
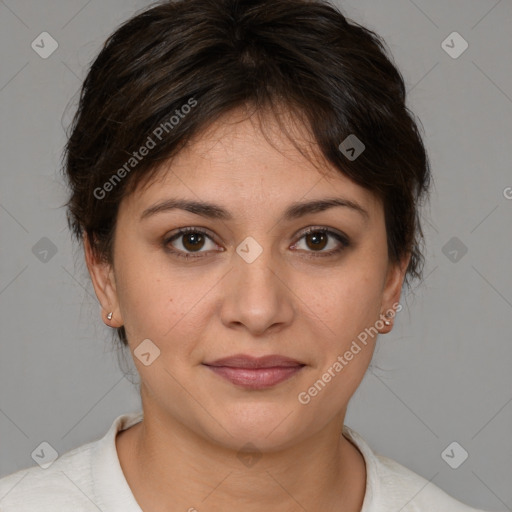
(255,372)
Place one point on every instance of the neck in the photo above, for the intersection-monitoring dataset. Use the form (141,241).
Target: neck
(170,468)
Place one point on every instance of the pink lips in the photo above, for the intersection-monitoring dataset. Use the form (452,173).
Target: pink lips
(255,372)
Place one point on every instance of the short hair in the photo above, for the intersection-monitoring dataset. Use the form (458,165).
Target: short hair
(173,69)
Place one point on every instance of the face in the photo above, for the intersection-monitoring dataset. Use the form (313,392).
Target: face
(253,282)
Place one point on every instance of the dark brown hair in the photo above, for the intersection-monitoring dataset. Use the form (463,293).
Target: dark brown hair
(178,66)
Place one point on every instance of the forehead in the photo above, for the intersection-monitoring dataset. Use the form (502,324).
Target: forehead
(238,163)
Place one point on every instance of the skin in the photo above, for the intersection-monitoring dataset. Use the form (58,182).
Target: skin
(184,453)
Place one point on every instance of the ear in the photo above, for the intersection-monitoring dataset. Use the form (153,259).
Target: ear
(392,291)
(103,280)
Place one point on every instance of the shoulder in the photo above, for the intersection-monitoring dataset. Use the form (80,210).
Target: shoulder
(391,486)
(66,482)
(87,478)
(414,492)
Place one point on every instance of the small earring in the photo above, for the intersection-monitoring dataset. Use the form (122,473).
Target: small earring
(109,316)
(387,323)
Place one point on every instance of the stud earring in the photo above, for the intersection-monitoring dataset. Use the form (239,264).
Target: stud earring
(109,316)
(387,323)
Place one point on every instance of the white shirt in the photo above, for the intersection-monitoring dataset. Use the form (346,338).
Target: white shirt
(89,478)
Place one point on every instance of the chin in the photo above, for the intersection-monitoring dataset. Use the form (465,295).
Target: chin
(268,426)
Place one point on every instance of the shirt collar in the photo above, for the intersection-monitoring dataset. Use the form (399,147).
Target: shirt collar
(113,493)
(111,489)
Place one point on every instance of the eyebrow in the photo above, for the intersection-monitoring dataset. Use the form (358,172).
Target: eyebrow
(214,211)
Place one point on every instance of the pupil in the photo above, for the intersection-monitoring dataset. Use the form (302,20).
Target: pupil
(193,239)
(318,238)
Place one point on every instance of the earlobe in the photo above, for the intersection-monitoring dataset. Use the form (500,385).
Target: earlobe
(103,281)
(392,291)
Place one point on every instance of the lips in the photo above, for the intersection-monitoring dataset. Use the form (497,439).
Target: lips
(246,361)
(255,372)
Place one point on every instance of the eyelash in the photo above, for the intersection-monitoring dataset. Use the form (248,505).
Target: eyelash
(344,241)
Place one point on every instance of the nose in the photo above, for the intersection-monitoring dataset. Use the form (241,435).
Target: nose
(257,297)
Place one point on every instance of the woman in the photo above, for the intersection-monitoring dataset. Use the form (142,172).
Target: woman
(245,178)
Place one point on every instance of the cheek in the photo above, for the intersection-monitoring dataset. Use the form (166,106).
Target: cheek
(147,298)
(345,302)
(162,305)
(346,311)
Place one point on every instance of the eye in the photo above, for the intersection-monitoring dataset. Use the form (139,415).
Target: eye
(317,238)
(193,239)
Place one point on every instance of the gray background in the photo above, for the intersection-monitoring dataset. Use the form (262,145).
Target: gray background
(442,375)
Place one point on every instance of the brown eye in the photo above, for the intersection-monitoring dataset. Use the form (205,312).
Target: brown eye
(191,240)
(317,239)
